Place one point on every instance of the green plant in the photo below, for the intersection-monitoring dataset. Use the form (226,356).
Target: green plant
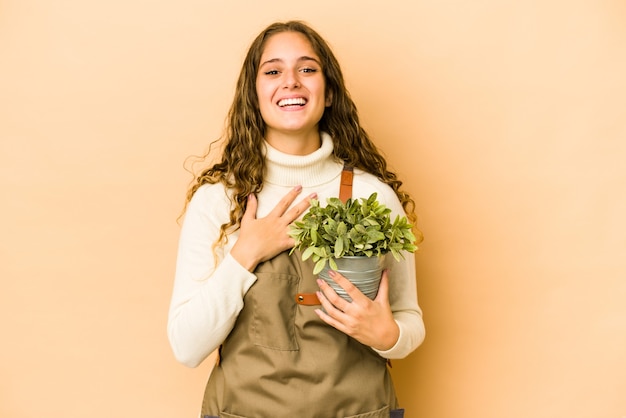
(361,227)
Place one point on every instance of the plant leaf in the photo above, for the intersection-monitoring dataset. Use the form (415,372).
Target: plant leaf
(319,266)
(332,263)
(338,247)
(307,253)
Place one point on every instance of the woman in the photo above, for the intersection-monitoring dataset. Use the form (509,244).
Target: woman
(291,129)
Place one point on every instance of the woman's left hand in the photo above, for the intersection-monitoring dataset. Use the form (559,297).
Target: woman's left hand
(368,321)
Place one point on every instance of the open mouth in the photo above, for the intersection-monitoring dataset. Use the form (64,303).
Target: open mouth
(296,101)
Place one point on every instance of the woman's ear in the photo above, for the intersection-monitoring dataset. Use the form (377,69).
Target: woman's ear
(329,98)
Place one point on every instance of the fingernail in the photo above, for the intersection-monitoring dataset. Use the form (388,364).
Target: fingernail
(319,282)
(313,196)
(298,188)
(332,273)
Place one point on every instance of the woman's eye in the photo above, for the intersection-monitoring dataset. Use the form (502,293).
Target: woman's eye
(271,72)
(309,70)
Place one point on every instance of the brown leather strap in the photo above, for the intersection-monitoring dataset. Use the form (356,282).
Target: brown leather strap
(345,189)
(308,299)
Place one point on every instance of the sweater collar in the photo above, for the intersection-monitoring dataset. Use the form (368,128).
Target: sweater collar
(310,170)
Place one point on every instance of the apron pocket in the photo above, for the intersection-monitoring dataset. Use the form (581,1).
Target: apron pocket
(274,308)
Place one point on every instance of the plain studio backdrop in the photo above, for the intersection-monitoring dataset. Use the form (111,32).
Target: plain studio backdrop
(505,119)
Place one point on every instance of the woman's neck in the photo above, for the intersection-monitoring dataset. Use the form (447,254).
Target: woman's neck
(295,144)
(308,170)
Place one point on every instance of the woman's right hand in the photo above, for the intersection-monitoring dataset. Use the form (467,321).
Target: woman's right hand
(261,239)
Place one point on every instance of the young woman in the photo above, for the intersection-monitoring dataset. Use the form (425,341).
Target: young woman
(291,129)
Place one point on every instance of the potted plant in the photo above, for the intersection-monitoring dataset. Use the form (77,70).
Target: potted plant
(352,238)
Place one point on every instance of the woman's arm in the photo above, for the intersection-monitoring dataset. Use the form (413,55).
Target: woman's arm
(405,308)
(206,299)
(396,317)
(391,324)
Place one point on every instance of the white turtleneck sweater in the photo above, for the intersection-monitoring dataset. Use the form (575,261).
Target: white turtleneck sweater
(207,299)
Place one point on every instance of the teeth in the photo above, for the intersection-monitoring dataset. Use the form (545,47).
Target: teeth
(300,101)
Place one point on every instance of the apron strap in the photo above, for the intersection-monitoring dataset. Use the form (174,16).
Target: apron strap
(345,188)
(307,299)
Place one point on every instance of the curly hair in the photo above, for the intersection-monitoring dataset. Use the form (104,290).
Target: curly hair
(242,164)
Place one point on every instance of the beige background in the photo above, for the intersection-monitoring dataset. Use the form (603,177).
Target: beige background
(506,119)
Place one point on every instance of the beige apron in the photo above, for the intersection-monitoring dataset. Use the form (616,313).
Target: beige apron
(282,361)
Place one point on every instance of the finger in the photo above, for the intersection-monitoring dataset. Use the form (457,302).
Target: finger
(331,311)
(330,320)
(352,291)
(284,203)
(295,212)
(383,288)
(251,208)
(326,304)
(337,302)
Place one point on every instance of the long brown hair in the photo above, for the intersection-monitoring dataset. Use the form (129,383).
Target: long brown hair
(242,164)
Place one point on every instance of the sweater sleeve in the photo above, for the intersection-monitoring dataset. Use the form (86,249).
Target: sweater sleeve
(404,306)
(206,298)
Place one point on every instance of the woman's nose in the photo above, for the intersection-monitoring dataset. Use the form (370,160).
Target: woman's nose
(291,79)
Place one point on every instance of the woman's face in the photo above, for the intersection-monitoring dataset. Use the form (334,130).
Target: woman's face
(291,91)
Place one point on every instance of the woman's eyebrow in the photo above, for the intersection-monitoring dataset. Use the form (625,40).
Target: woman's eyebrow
(305,58)
(279,60)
